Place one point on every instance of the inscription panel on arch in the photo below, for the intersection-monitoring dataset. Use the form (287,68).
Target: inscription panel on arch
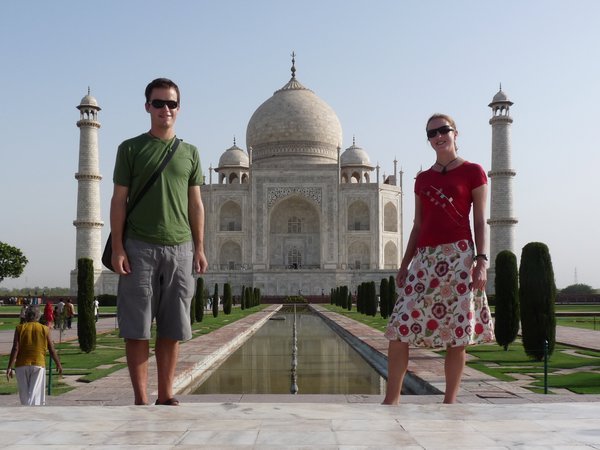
(314,194)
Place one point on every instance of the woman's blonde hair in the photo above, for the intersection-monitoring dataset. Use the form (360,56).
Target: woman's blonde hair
(446,117)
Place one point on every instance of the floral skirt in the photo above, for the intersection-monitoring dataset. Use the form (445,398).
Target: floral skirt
(436,307)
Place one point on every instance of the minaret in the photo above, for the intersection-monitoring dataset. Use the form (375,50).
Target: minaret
(88,223)
(502,221)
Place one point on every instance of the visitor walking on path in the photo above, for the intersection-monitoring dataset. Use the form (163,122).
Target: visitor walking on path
(158,245)
(49,314)
(69,313)
(442,277)
(28,358)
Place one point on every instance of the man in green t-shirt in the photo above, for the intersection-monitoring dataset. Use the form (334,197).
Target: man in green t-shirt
(163,244)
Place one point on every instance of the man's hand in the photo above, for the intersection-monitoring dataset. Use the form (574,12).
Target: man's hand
(200,262)
(120,263)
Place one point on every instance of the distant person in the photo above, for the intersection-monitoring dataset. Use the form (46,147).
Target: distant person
(96,306)
(59,317)
(28,357)
(69,313)
(158,247)
(49,314)
(442,277)
(56,318)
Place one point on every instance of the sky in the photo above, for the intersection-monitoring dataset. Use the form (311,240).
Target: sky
(383,66)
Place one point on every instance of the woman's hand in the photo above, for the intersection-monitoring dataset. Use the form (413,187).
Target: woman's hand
(479,275)
(9,374)
(401,277)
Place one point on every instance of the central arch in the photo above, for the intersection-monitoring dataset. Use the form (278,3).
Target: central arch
(294,234)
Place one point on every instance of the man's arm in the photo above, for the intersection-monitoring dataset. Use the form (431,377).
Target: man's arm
(196,217)
(118,214)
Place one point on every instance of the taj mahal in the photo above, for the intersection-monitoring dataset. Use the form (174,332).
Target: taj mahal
(294,214)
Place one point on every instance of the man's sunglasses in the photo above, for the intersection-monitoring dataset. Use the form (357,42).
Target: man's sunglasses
(159,104)
(441,130)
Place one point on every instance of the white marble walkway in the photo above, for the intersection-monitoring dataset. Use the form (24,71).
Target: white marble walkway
(304,426)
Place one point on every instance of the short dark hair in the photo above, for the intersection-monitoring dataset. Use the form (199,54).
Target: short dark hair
(160,83)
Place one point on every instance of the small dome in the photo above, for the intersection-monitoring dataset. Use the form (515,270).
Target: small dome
(355,156)
(500,97)
(234,157)
(88,101)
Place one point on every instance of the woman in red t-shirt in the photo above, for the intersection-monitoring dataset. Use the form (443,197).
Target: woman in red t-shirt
(442,278)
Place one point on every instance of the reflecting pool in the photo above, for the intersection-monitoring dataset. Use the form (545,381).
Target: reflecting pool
(326,364)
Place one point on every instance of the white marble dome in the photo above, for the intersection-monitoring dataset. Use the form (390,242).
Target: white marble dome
(88,100)
(500,97)
(355,156)
(234,157)
(294,122)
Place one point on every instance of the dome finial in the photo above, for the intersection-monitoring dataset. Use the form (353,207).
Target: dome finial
(293,64)
(234,140)
(353,140)
(89,90)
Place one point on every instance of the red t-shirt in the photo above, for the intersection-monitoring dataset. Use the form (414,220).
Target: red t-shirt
(446,203)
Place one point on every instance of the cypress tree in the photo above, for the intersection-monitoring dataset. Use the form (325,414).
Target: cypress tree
(344,297)
(215,302)
(392,295)
(359,298)
(248,297)
(349,301)
(193,310)
(199,300)
(537,294)
(506,284)
(256,297)
(243,298)
(372,299)
(86,321)
(383,298)
(227,300)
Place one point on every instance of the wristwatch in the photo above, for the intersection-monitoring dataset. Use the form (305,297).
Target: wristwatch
(481,256)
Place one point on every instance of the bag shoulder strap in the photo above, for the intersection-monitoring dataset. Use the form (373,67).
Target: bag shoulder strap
(155,175)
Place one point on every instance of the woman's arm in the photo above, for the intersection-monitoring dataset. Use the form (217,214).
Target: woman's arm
(480,231)
(13,356)
(53,353)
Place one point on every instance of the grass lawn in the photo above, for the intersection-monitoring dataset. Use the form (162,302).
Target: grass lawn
(109,355)
(569,368)
(588,323)
(565,365)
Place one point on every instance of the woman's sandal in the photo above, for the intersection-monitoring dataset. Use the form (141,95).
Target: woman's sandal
(171,402)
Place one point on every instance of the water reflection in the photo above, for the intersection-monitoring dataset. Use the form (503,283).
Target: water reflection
(326,363)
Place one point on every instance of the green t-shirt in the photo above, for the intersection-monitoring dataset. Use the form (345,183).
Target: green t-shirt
(161,216)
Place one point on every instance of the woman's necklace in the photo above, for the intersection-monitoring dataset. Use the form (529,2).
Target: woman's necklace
(443,171)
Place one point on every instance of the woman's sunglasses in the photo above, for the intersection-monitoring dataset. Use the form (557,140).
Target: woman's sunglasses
(441,130)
